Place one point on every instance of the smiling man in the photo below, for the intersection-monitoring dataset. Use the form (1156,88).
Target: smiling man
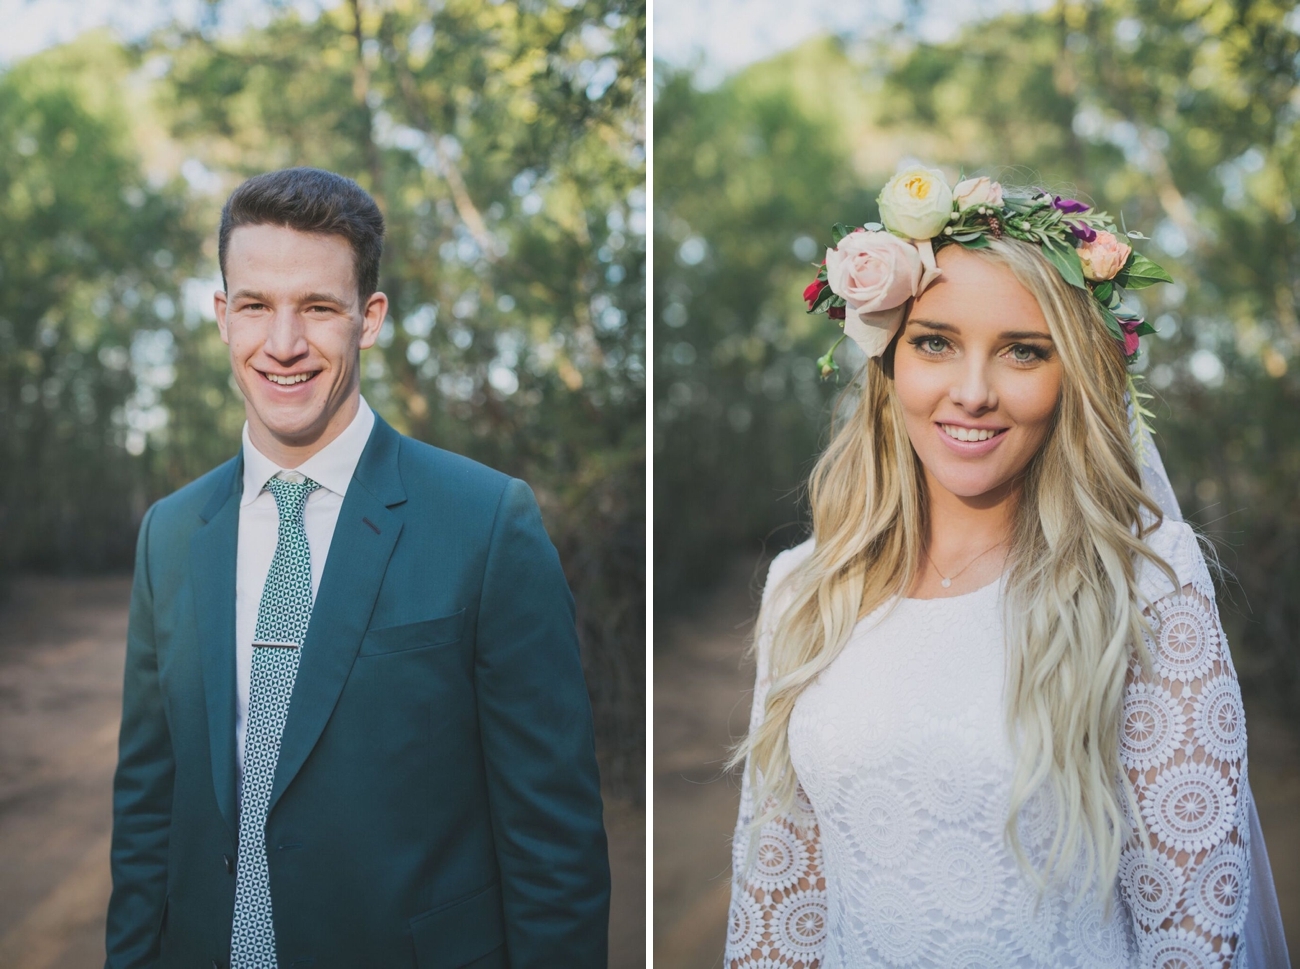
(355,730)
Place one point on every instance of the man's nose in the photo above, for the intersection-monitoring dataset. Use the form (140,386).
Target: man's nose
(286,337)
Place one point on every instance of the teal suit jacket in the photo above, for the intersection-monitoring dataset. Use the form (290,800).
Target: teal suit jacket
(436,801)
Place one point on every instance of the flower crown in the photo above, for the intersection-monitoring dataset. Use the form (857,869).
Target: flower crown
(870,273)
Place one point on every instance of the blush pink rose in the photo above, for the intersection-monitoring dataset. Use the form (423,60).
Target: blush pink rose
(876,273)
(873,270)
(1103,257)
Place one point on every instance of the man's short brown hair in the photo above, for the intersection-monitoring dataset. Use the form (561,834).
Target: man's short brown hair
(310,200)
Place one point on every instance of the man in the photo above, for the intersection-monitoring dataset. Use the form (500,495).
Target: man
(355,731)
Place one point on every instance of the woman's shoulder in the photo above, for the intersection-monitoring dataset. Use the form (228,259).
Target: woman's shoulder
(785,563)
(1177,543)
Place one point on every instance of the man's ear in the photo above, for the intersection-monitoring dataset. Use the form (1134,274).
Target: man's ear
(220,304)
(375,310)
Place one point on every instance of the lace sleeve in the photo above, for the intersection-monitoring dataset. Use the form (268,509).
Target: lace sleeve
(1183,744)
(778,902)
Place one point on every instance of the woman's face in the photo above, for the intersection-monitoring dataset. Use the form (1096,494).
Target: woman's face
(977,375)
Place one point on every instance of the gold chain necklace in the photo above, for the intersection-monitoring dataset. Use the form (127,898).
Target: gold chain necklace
(946,580)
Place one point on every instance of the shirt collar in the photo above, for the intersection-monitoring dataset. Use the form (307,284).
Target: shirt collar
(331,467)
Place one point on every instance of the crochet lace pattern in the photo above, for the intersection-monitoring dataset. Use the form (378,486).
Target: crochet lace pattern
(894,854)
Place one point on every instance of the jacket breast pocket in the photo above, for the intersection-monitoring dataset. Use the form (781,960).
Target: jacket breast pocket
(413,635)
(464,933)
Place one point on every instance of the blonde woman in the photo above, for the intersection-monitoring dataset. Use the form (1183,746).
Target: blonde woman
(996,722)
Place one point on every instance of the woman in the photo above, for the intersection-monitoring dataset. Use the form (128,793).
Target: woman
(996,722)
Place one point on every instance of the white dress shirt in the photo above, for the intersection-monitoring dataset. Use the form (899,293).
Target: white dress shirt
(259,521)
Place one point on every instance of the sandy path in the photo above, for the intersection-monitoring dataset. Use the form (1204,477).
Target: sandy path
(701,697)
(702,688)
(61,655)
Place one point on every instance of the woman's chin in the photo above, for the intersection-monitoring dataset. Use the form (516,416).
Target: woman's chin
(970,486)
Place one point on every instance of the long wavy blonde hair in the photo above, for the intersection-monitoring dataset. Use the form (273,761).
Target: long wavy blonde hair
(1073,610)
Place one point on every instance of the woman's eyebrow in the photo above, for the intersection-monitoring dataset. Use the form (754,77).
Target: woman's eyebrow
(1005,335)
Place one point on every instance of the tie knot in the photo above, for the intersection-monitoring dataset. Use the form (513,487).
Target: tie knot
(290,496)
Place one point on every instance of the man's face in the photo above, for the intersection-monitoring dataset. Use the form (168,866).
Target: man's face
(295,326)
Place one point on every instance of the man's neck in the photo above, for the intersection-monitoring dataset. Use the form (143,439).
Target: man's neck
(290,453)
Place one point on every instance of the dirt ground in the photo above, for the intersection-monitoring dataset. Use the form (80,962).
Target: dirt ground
(702,690)
(62,644)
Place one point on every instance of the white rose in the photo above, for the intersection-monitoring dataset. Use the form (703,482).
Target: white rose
(916,204)
(977,191)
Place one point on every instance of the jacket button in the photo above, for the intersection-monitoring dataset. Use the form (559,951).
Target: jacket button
(230,864)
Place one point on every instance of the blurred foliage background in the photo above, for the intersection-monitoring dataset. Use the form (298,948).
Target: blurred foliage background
(1181,117)
(505,143)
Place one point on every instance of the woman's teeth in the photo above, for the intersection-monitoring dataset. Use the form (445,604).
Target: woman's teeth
(968,433)
(286,381)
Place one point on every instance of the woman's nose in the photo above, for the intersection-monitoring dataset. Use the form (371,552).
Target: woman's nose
(972,390)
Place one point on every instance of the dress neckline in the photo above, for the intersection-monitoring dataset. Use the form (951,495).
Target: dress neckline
(996,583)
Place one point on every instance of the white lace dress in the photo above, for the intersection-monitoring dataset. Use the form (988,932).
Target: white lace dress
(904,766)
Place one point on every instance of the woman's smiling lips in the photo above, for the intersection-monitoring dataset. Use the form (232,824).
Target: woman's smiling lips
(968,440)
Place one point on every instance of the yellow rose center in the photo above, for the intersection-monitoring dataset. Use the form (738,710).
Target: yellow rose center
(918,186)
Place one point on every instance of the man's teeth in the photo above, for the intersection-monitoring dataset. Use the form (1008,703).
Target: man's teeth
(967,433)
(286,381)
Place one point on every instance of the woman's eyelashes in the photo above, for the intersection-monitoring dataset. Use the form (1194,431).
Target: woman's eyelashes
(1028,353)
(1021,354)
(929,345)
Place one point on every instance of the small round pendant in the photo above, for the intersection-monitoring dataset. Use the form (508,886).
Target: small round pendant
(946,582)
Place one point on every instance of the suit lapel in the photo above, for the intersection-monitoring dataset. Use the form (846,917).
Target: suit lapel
(363,541)
(213,550)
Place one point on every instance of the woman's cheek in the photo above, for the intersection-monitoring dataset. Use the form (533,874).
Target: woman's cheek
(1033,400)
(920,389)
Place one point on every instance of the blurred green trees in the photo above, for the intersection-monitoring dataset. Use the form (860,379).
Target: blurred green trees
(505,145)
(87,260)
(1180,118)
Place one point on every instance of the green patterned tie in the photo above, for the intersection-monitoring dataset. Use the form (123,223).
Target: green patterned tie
(282,620)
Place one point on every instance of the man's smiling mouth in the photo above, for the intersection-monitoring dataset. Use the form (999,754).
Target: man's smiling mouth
(288,380)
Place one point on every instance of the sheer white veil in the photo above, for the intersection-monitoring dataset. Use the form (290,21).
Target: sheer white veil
(1263,944)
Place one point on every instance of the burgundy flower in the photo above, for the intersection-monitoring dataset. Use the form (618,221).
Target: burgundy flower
(813,292)
(1070,206)
(1130,328)
(835,312)
(1086,233)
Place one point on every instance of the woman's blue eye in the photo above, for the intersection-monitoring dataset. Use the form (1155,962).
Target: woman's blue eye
(1022,353)
(931,344)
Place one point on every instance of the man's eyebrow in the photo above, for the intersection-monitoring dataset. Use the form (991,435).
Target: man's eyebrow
(324,298)
(308,298)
